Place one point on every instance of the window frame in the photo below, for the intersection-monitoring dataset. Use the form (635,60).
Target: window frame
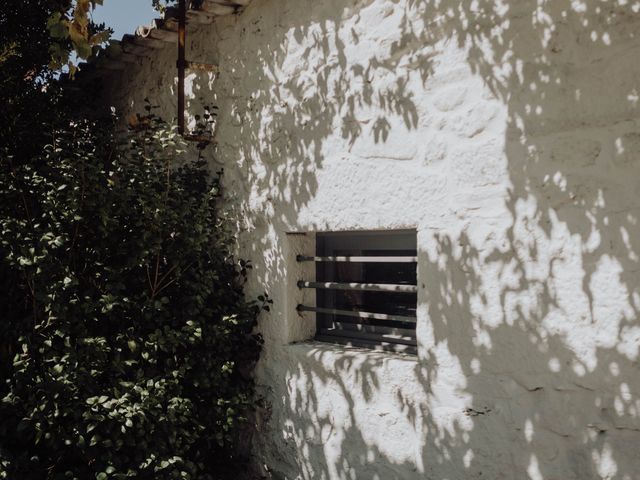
(365,250)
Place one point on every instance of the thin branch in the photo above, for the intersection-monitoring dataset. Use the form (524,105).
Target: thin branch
(155,279)
(169,272)
(34,302)
(26,206)
(149,279)
(165,285)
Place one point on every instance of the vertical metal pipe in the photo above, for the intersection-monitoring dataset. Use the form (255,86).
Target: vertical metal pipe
(182,40)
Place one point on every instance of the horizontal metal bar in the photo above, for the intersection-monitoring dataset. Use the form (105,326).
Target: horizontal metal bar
(379,329)
(370,287)
(351,313)
(372,322)
(358,259)
(384,346)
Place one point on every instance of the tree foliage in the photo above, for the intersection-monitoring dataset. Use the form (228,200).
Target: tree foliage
(53,32)
(126,337)
(28,98)
(24,37)
(74,30)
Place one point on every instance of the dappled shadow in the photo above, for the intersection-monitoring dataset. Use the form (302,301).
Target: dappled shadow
(528,326)
(513,127)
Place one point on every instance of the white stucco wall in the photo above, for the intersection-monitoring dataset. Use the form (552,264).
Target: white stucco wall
(508,135)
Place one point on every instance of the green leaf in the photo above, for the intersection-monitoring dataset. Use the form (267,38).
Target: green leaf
(119,368)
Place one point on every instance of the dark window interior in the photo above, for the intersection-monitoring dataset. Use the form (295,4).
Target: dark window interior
(395,328)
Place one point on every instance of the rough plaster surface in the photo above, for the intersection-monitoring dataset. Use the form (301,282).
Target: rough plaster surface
(507,134)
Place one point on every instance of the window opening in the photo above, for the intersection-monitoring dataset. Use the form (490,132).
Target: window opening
(366,289)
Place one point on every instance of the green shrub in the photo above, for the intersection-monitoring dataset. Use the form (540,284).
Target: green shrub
(126,342)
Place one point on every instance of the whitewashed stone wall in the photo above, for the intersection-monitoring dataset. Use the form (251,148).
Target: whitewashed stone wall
(508,135)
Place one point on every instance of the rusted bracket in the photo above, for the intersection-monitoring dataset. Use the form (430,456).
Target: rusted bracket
(202,139)
(202,67)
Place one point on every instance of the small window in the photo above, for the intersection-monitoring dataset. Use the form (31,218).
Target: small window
(366,289)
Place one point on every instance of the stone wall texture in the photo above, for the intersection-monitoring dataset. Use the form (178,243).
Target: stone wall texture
(507,133)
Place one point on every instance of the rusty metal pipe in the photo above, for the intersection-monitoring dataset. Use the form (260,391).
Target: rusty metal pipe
(182,41)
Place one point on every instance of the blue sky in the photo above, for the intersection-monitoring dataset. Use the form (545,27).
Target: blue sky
(124,16)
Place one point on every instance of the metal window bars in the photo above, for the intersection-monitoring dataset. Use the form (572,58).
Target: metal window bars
(361,327)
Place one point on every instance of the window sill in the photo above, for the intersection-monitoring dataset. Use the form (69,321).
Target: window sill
(320,346)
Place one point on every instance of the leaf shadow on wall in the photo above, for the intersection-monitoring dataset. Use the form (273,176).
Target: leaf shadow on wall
(536,313)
